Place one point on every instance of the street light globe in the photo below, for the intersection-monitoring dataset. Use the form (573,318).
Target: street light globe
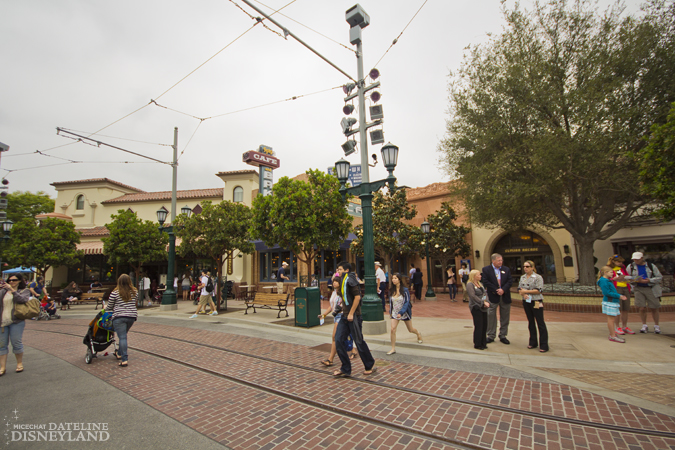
(390,156)
(186,210)
(161,215)
(7,226)
(426,227)
(342,170)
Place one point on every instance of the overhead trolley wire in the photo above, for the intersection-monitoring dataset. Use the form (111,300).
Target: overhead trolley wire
(400,34)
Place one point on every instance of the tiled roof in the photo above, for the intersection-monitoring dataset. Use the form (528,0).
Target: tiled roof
(96,231)
(166,195)
(53,215)
(232,172)
(95,180)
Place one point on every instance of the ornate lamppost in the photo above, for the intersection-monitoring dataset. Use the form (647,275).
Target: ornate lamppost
(169,297)
(426,228)
(6,228)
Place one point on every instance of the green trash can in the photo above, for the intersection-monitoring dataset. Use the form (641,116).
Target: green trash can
(307,306)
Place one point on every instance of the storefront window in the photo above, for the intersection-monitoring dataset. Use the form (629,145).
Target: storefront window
(270,262)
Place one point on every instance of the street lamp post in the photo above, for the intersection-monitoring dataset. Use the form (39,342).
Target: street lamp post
(372,305)
(169,297)
(426,228)
(6,228)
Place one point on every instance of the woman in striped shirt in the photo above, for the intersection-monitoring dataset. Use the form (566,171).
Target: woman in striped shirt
(122,304)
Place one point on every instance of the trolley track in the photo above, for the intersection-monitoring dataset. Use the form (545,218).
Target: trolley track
(371,382)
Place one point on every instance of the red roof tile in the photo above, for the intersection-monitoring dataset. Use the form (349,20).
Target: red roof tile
(96,231)
(232,172)
(95,180)
(166,195)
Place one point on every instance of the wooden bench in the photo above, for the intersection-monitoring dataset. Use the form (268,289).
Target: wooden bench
(267,301)
(91,297)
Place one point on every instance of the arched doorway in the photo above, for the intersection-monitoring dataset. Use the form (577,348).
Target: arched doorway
(520,246)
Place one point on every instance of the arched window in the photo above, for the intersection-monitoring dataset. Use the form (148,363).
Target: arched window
(79,202)
(238,194)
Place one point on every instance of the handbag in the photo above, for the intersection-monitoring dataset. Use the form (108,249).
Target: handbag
(465,278)
(25,311)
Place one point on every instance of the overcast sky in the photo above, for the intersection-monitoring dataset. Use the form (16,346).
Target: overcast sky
(83,65)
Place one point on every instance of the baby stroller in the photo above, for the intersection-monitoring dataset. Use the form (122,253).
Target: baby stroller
(99,336)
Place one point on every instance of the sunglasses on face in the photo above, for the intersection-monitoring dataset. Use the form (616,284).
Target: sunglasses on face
(12,279)
(527,267)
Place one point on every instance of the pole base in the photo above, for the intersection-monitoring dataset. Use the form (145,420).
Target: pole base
(171,307)
(375,327)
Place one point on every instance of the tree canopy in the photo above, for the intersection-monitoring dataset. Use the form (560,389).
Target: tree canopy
(27,205)
(134,241)
(52,243)
(657,169)
(302,216)
(219,231)
(547,118)
(446,239)
(392,235)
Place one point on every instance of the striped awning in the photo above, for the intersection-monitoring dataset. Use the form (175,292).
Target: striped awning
(91,248)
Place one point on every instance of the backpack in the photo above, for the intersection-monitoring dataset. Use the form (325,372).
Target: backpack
(465,278)
(633,267)
(209,285)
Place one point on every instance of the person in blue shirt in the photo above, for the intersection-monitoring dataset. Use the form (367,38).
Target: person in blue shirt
(37,288)
(611,301)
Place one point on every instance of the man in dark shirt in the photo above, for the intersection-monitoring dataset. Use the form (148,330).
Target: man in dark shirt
(351,324)
(281,276)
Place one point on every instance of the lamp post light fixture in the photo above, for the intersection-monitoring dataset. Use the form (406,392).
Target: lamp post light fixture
(426,228)
(6,228)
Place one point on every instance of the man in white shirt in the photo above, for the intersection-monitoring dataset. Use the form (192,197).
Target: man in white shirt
(205,298)
(381,283)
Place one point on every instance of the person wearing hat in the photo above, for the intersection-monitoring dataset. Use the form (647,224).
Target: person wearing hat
(623,288)
(381,283)
(645,279)
(281,276)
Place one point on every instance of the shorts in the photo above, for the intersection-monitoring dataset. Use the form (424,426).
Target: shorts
(337,318)
(625,304)
(610,309)
(205,299)
(645,297)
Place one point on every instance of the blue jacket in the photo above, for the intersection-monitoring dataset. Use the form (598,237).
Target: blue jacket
(407,304)
(608,291)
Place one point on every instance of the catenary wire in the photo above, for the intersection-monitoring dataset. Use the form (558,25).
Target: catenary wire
(400,34)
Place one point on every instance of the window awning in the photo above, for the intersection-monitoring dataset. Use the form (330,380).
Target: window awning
(91,248)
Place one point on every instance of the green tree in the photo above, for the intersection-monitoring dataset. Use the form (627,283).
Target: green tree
(304,217)
(25,205)
(217,232)
(546,119)
(392,235)
(52,243)
(446,240)
(657,170)
(134,241)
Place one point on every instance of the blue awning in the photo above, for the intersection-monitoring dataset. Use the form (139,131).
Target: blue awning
(20,270)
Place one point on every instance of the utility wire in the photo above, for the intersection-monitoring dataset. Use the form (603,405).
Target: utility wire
(190,140)
(114,137)
(36,151)
(400,34)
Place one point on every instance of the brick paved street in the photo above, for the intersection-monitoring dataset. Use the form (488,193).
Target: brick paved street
(424,400)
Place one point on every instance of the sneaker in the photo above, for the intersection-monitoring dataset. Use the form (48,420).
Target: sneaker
(644,329)
(617,339)
(628,331)
(657,329)
(619,331)
(193,316)
(214,313)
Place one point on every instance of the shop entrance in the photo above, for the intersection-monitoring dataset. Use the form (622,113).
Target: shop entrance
(521,246)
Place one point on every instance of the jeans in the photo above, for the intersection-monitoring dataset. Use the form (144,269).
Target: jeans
(383,286)
(452,288)
(12,332)
(122,325)
(343,330)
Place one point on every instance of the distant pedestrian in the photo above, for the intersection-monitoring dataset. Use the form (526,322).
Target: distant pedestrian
(610,301)
(418,281)
(412,272)
(11,328)
(351,324)
(452,284)
(123,308)
(281,276)
(464,278)
(69,294)
(400,309)
(646,281)
(622,287)
(381,283)
(185,286)
(497,280)
(205,297)
(478,305)
(530,286)
(37,288)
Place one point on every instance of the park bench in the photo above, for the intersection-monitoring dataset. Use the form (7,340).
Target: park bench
(267,301)
(91,297)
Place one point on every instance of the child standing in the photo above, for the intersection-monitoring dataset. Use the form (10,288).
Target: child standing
(610,301)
